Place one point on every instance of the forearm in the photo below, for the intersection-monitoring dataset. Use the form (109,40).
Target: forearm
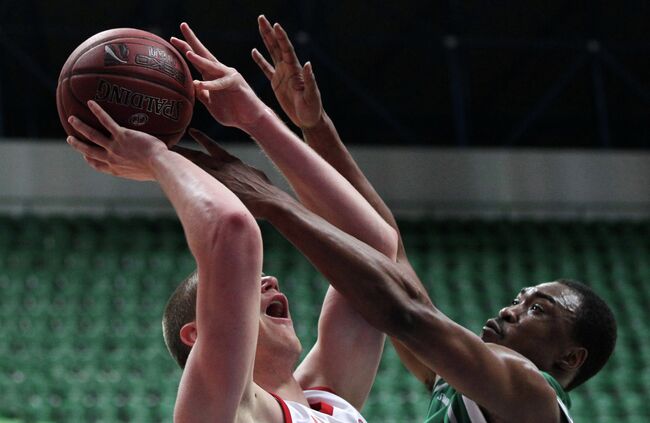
(325,140)
(390,300)
(199,199)
(320,187)
(378,288)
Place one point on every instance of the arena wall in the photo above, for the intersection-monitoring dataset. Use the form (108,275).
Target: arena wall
(48,177)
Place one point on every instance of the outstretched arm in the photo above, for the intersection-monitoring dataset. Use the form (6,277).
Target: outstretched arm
(226,243)
(297,92)
(392,300)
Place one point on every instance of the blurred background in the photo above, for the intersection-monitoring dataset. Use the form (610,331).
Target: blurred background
(430,73)
(510,138)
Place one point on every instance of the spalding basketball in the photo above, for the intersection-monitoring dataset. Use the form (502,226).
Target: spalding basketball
(137,77)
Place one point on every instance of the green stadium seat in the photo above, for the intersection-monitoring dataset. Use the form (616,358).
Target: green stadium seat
(82,300)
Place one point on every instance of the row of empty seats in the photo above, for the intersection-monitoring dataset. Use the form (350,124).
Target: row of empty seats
(81,301)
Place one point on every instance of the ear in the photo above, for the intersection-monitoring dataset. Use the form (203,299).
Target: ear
(574,358)
(188,334)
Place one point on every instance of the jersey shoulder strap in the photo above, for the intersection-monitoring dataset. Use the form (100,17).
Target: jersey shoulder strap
(563,398)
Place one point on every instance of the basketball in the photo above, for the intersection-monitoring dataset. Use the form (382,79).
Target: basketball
(136,76)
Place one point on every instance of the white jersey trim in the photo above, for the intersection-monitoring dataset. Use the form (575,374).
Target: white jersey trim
(333,409)
(473,411)
(565,410)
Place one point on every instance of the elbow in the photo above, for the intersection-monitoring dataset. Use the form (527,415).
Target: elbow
(237,227)
(231,228)
(238,220)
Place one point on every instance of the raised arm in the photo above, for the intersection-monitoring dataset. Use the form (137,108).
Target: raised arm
(343,360)
(394,302)
(297,92)
(225,241)
(319,186)
(323,190)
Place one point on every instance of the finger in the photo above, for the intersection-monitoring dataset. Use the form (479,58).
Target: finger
(190,154)
(263,64)
(104,118)
(89,150)
(90,133)
(215,150)
(181,45)
(98,165)
(262,21)
(206,66)
(202,95)
(312,94)
(216,84)
(195,43)
(286,48)
(268,37)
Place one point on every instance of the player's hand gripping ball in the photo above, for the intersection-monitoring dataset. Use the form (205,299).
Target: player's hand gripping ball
(137,77)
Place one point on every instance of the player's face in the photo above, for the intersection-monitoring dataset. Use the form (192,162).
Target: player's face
(537,324)
(276,326)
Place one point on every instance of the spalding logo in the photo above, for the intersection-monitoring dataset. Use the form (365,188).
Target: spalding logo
(116,94)
(138,119)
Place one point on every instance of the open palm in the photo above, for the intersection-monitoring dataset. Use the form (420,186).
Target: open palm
(294,85)
(228,97)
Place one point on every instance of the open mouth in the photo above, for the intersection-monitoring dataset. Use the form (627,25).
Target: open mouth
(278,308)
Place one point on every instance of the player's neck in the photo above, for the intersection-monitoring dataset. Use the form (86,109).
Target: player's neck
(282,384)
(563,378)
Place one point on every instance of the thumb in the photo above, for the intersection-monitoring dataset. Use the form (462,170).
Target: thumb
(202,95)
(215,150)
(263,64)
(217,84)
(192,155)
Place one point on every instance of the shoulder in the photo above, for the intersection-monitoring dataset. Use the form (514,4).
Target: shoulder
(562,397)
(448,403)
(525,372)
(528,392)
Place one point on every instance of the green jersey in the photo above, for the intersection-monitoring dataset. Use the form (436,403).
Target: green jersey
(448,406)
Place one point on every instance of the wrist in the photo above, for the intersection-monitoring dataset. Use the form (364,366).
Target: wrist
(157,157)
(321,124)
(258,125)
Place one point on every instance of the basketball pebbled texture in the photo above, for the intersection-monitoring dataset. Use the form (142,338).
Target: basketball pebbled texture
(137,77)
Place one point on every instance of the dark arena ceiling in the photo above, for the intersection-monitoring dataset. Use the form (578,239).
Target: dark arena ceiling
(429,73)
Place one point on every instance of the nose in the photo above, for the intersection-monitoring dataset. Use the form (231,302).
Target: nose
(508,314)
(269,282)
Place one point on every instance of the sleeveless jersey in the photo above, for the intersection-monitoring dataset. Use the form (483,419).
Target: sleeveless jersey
(325,407)
(448,406)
